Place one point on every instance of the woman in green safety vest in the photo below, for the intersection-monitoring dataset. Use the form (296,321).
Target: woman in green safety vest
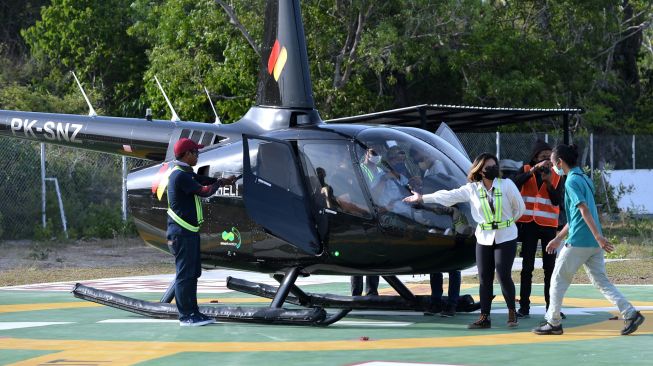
(185,216)
(495,204)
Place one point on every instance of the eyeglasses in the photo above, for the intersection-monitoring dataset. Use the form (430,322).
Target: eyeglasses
(194,152)
(372,152)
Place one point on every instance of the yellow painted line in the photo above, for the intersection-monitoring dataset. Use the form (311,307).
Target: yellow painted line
(46,306)
(123,352)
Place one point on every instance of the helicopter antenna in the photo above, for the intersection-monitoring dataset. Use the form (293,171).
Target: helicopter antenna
(175,117)
(217,119)
(91,111)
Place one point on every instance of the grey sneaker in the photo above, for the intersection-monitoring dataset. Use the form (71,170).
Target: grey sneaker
(631,325)
(548,329)
(195,320)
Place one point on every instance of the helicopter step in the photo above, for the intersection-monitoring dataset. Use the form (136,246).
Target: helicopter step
(406,301)
(162,310)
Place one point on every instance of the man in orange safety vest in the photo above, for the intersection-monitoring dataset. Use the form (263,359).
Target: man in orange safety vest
(541,189)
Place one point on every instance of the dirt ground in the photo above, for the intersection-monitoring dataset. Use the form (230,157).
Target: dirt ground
(24,262)
(85,254)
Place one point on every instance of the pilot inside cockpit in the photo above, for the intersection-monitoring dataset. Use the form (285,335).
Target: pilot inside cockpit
(428,166)
(390,176)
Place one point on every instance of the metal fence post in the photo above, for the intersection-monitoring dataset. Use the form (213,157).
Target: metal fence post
(43,195)
(498,145)
(124,188)
(633,152)
(592,155)
(62,212)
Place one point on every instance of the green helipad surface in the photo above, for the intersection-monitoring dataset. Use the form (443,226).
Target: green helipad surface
(53,328)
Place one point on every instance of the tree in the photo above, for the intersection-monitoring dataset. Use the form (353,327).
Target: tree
(90,37)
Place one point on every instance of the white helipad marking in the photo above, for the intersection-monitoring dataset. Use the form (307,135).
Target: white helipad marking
(144,320)
(540,310)
(387,312)
(390,363)
(370,323)
(19,325)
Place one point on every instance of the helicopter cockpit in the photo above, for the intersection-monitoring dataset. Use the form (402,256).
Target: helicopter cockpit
(394,165)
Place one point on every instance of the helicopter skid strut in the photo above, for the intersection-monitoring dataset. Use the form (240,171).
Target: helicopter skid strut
(406,301)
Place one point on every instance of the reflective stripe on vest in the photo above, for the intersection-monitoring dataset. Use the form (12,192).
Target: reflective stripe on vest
(179,220)
(493,221)
(539,207)
(367,172)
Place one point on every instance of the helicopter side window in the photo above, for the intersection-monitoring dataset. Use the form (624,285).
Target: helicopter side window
(206,139)
(184,133)
(229,162)
(195,136)
(332,164)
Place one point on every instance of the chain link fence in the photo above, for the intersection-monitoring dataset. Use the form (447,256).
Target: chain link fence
(91,183)
(90,186)
(617,152)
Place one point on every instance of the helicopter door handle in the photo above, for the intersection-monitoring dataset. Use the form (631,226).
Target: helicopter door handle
(330,211)
(259,180)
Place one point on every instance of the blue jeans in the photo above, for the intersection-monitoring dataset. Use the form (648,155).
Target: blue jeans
(454,288)
(185,247)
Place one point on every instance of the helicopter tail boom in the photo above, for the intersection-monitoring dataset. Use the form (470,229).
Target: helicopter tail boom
(122,136)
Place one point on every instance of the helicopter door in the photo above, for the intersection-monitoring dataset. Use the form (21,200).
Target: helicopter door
(274,194)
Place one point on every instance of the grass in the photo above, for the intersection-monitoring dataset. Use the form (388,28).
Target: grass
(632,236)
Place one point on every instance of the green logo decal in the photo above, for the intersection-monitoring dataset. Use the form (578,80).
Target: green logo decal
(231,237)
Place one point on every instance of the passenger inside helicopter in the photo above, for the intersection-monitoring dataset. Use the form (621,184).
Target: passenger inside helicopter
(401,173)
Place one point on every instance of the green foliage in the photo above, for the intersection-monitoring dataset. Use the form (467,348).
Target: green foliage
(90,37)
(364,56)
(47,233)
(191,46)
(100,221)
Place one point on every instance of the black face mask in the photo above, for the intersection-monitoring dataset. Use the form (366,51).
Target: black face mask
(491,172)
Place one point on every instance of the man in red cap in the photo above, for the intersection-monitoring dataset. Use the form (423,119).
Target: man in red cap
(185,216)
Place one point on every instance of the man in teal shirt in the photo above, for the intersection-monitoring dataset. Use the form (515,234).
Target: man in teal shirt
(584,245)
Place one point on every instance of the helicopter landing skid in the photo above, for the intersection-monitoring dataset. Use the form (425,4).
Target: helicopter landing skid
(406,301)
(274,314)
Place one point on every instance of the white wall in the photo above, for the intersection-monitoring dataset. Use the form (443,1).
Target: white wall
(641,199)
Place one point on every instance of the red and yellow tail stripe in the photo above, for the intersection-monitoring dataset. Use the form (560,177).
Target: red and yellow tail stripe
(277,60)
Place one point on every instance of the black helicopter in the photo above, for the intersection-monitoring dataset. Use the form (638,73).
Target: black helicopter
(308,200)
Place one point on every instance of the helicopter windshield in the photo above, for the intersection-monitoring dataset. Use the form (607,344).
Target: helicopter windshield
(394,165)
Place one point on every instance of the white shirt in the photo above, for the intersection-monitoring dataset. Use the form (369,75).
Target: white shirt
(513,207)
